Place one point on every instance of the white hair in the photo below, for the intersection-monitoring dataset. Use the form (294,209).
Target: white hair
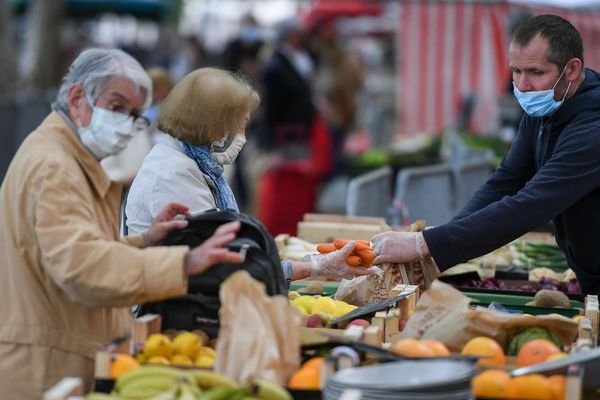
(94,68)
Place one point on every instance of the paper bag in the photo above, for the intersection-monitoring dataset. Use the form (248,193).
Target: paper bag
(443,313)
(373,288)
(259,335)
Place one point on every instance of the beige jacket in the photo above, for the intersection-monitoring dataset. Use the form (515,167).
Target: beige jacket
(66,281)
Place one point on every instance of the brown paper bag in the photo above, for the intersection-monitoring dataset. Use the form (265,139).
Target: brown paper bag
(259,335)
(372,288)
(443,313)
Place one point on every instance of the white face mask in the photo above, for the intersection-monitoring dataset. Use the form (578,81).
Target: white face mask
(108,133)
(226,150)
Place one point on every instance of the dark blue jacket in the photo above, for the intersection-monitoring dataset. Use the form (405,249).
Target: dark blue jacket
(552,171)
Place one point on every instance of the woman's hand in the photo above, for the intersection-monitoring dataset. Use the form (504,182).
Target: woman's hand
(165,223)
(212,252)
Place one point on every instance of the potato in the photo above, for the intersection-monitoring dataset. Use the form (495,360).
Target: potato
(551,298)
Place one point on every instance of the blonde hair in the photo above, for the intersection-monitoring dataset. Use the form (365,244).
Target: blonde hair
(206,105)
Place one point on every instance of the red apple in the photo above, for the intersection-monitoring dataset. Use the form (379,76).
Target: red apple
(360,322)
(314,321)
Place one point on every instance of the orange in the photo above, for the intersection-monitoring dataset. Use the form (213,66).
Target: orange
(484,346)
(557,384)
(536,351)
(491,383)
(314,363)
(438,348)
(530,387)
(121,364)
(411,348)
(305,378)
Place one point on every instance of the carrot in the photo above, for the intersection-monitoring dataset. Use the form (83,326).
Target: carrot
(353,260)
(339,243)
(359,244)
(325,248)
(367,257)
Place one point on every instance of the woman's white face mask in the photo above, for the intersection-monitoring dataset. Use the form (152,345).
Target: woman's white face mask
(226,150)
(108,133)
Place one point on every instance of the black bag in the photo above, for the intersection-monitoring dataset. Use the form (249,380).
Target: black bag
(199,308)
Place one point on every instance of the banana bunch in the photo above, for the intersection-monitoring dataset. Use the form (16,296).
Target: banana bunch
(150,382)
(261,390)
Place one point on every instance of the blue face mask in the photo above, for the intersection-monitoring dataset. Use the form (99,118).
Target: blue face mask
(540,103)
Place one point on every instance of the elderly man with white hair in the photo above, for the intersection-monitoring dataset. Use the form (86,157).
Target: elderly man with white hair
(66,279)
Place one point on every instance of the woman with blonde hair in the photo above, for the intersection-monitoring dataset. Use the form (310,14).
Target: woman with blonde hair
(205,117)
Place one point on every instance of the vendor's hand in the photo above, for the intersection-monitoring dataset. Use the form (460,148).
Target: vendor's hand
(333,265)
(165,223)
(212,252)
(398,247)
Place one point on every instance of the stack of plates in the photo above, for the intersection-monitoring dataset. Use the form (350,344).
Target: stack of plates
(411,379)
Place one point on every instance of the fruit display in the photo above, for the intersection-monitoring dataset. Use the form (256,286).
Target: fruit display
(168,383)
(319,309)
(526,334)
(361,256)
(497,384)
(185,349)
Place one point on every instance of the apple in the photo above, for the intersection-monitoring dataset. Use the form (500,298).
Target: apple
(360,322)
(314,321)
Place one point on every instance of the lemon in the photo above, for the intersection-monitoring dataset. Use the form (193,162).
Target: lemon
(293,295)
(158,360)
(204,361)
(577,318)
(325,305)
(207,351)
(158,345)
(301,309)
(305,302)
(180,359)
(187,344)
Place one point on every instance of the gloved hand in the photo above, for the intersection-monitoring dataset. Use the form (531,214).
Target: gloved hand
(333,265)
(399,247)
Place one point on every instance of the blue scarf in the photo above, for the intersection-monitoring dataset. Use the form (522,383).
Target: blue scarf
(209,167)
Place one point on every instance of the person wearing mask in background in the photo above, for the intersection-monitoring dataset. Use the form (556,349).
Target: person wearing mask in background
(552,170)
(67,283)
(205,118)
(123,166)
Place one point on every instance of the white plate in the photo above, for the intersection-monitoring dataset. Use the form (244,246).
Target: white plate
(405,375)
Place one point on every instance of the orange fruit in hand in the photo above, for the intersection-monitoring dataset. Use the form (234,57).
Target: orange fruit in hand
(411,348)
(557,384)
(122,363)
(536,351)
(437,348)
(530,387)
(491,383)
(485,346)
(305,378)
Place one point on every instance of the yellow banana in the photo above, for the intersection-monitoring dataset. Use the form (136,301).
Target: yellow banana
(208,379)
(269,391)
(224,393)
(189,391)
(148,387)
(152,371)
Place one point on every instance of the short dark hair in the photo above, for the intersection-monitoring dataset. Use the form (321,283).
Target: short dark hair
(564,41)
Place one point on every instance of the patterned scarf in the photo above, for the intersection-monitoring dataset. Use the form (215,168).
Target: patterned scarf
(209,167)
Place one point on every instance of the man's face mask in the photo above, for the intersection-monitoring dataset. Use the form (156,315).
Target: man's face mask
(226,150)
(540,103)
(108,133)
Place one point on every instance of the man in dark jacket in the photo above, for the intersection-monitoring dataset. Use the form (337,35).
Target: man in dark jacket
(289,108)
(552,170)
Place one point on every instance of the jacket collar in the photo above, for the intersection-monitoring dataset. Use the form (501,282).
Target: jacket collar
(586,98)
(59,126)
